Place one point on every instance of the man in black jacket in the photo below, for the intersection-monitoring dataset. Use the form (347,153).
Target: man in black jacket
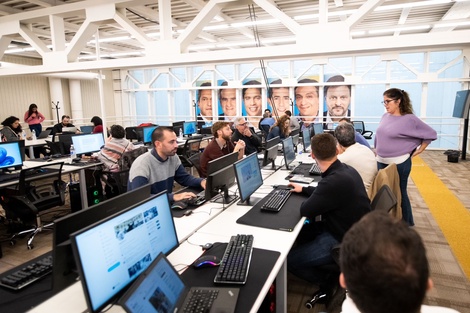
(243,132)
(340,199)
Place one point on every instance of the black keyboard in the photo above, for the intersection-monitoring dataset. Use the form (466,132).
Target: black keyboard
(235,263)
(276,199)
(315,170)
(200,199)
(28,274)
(200,300)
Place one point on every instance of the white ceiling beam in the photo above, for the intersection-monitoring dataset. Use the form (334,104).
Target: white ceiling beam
(164,14)
(131,28)
(4,43)
(460,10)
(33,40)
(57,33)
(361,14)
(403,16)
(323,12)
(274,11)
(79,41)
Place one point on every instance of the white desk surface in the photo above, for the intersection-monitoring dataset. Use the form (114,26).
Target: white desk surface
(209,223)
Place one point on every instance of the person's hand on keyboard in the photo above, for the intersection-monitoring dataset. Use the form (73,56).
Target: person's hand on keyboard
(184,196)
(295,187)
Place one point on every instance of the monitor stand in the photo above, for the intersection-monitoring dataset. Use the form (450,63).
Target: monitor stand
(251,201)
(224,198)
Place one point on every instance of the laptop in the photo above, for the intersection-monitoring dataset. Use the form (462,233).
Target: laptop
(86,129)
(160,289)
(44,134)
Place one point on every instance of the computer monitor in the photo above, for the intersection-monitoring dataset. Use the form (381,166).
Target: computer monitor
(249,179)
(294,132)
(177,126)
(270,153)
(306,139)
(86,129)
(317,129)
(87,143)
(110,254)
(220,176)
(189,128)
(289,153)
(10,156)
(64,270)
(461,104)
(295,139)
(147,134)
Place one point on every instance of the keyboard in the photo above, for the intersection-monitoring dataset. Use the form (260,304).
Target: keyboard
(200,300)
(200,199)
(28,274)
(315,170)
(8,177)
(235,263)
(276,199)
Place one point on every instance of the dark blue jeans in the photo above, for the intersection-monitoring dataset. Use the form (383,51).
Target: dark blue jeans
(37,128)
(305,259)
(404,170)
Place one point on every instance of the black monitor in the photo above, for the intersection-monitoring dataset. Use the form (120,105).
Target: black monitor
(87,143)
(177,126)
(189,128)
(131,133)
(462,104)
(10,156)
(249,179)
(295,131)
(112,253)
(317,129)
(270,153)
(306,139)
(289,153)
(64,270)
(220,176)
(147,134)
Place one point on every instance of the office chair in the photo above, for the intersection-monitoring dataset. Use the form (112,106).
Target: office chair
(39,188)
(66,140)
(195,159)
(360,127)
(115,183)
(55,147)
(265,130)
(191,147)
(384,200)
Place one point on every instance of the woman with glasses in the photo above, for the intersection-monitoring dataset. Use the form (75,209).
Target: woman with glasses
(400,136)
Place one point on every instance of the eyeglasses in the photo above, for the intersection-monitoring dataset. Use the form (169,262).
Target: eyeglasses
(244,124)
(387,101)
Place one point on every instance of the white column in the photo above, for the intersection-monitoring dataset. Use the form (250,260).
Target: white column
(76,100)
(57,97)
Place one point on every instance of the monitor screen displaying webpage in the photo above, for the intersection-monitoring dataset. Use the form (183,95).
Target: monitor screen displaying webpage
(87,143)
(113,252)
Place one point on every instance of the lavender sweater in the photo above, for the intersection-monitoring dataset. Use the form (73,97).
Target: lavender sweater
(399,135)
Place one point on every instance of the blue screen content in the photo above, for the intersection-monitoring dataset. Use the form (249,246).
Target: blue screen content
(189,128)
(112,253)
(148,133)
(248,175)
(461,105)
(288,147)
(306,138)
(10,154)
(87,143)
(317,128)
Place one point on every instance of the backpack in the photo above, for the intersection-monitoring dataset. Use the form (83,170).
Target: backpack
(128,158)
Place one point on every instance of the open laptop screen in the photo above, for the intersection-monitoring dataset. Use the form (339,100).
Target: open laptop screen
(113,252)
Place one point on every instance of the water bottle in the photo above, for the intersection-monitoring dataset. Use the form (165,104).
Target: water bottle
(181,134)
(24,135)
(34,135)
(72,154)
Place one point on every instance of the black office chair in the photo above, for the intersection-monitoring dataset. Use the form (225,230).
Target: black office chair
(55,147)
(195,159)
(265,130)
(39,188)
(191,146)
(66,140)
(360,127)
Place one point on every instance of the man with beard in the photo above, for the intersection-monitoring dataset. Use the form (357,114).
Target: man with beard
(11,130)
(338,98)
(228,101)
(221,145)
(307,101)
(161,167)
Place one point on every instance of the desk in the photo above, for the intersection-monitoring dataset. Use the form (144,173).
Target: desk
(30,144)
(200,228)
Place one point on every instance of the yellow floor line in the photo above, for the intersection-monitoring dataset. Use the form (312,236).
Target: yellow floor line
(450,214)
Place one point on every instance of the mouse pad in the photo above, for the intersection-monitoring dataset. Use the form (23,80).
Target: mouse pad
(262,263)
(181,213)
(285,219)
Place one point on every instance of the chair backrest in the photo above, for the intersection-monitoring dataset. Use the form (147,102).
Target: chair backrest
(384,200)
(56,147)
(265,130)
(195,159)
(359,126)
(128,157)
(191,146)
(66,140)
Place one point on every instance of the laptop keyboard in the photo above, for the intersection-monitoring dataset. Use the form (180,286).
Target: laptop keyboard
(235,263)
(276,199)
(201,300)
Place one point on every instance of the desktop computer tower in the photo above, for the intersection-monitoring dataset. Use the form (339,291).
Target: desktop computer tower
(75,198)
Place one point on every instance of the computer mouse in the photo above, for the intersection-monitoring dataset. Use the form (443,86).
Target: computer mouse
(179,205)
(206,261)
